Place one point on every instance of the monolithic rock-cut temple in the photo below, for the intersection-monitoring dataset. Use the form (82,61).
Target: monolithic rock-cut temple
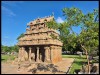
(37,45)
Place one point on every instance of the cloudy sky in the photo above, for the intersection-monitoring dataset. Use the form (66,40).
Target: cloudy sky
(16,14)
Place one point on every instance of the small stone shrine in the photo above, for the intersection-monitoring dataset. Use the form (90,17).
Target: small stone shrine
(37,45)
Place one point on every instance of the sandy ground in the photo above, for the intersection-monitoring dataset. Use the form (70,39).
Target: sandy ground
(59,68)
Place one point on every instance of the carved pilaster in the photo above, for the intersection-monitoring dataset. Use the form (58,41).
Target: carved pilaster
(52,48)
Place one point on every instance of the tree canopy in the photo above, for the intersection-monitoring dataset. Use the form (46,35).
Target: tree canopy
(10,49)
(89,28)
(88,39)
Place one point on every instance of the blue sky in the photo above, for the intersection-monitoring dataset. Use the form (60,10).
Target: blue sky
(16,14)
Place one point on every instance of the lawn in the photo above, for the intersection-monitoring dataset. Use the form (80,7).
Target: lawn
(77,63)
(4,58)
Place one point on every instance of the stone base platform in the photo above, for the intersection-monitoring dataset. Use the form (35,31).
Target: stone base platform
(39,68)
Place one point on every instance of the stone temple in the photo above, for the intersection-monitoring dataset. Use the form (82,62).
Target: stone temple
(37,45)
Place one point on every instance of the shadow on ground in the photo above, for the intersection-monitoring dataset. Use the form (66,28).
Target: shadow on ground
(49,67)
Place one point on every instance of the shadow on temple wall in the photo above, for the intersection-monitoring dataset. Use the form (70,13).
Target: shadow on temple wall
(50,67)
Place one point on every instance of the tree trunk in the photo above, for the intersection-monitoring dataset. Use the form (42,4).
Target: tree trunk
(87,59)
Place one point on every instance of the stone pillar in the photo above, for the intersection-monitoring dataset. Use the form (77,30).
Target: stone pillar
(37,54)
(30,53)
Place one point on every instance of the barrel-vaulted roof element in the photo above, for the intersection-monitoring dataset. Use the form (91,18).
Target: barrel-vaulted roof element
(41,20)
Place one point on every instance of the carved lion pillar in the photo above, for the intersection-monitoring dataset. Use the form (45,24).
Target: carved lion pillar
(22,54)
(30,53)
(37,54)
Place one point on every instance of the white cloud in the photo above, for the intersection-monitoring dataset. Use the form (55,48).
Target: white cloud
(59,20)
(8,11)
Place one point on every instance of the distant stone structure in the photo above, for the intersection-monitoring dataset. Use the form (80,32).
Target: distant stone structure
(37,45)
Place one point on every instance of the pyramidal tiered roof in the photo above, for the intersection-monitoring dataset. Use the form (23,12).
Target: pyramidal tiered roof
(39,34)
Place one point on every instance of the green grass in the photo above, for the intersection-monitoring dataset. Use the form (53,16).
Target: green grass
(77,63)
(4,58)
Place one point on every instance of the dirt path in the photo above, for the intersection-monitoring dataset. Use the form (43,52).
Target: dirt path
(63,66)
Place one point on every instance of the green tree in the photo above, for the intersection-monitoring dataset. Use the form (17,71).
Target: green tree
(14,48)
(10,49)
(88,38)
(5,49)
(2,48)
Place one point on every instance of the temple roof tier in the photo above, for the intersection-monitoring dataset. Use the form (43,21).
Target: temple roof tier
(40,42)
